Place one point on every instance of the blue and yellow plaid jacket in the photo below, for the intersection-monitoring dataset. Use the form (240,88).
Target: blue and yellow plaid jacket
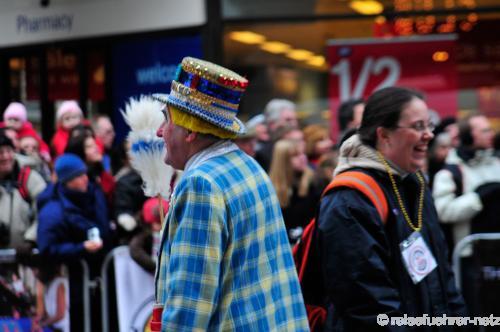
(225,263)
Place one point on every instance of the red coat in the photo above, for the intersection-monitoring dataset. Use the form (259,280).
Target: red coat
(28,130)
(59,141)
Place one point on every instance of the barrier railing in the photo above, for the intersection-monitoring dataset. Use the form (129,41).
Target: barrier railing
(87,286)
(466,242)
(104,286)
(8,256)
(134,291)
(137,299)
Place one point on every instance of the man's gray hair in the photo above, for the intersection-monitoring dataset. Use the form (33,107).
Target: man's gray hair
(274,108)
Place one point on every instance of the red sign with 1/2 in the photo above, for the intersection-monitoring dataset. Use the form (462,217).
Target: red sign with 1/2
(361,66)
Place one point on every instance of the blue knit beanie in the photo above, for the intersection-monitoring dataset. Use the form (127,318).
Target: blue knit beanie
(69,166)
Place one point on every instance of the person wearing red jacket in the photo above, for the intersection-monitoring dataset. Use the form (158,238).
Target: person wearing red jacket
(68,116)
(15,117)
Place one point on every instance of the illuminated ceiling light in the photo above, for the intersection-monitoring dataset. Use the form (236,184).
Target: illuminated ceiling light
(299,54)
(15,64)
(380,20)
(472,17)
(367,7)
(247,37)
(317,61)
(275,47)
(440,56)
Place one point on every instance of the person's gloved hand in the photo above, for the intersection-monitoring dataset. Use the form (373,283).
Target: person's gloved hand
(489,192)
(126,221)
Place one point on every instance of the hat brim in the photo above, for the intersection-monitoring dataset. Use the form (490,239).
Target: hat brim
(236,126)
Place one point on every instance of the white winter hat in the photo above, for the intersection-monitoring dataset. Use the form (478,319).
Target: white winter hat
(69,106)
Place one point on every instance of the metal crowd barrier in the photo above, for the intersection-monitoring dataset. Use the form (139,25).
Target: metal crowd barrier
(9,256)
(104,286)
(141,308)
(466,242)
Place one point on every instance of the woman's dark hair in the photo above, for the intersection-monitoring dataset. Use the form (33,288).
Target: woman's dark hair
(82,129)
(383,109)
(76,145)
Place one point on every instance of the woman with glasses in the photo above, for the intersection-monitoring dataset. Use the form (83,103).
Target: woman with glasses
(375,268)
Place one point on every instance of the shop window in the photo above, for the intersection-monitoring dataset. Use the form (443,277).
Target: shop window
(24,86)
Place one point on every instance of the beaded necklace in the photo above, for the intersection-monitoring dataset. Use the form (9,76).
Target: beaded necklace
(400,200)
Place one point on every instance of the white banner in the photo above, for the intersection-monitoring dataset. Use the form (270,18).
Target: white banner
(134,292)
(25,22)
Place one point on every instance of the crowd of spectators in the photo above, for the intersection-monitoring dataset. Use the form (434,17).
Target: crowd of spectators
(78,197)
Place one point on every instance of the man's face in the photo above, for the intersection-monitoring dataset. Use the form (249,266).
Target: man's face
(79,183)
(287,118)
(175,142)
(481,132)
(6,160)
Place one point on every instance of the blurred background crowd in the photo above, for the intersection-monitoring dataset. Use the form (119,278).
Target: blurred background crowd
(76,197)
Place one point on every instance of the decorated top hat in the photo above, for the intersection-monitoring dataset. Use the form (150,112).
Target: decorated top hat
(209,92)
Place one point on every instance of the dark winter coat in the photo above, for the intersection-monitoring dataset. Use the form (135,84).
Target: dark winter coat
(65,216)
(363,269)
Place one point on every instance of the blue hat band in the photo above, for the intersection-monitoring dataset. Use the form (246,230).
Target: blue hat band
(209,88)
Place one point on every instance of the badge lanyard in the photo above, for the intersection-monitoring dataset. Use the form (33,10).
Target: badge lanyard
(417,256)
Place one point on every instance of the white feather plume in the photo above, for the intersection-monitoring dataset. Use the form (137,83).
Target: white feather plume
(147,151)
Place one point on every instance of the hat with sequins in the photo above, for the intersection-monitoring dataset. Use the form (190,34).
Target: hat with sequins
(209,92)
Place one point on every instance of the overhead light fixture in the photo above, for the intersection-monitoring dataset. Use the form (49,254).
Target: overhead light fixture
(275,47)
(380,20)
(247,37)
(299,54)
(440,56)
(15,64)
(367,7)
(317,61)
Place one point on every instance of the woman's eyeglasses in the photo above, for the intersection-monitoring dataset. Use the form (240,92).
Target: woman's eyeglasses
(420,126)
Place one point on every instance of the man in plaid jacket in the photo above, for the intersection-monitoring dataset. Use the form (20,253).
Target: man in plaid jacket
(225,261)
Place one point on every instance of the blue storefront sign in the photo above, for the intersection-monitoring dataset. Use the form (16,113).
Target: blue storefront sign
(146,67)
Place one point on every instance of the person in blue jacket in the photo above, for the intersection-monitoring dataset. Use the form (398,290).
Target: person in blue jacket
(374,270)
(73,225)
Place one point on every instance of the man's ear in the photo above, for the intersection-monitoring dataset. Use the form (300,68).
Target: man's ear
(191,136)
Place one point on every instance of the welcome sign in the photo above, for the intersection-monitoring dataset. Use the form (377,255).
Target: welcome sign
(146,67)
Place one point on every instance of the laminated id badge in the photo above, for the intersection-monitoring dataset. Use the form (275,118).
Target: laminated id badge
(417,257)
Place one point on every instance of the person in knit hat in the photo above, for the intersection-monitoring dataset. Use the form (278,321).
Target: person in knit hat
(224,232)
(73,225)
(15,117)
(68,116)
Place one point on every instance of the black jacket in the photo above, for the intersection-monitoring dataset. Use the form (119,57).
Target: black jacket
(363,270)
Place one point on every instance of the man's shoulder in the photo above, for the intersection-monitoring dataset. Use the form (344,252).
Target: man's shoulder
(225,170)
(227,164)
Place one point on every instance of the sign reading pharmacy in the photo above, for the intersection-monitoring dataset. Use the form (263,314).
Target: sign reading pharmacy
(361,66)
(22,23)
